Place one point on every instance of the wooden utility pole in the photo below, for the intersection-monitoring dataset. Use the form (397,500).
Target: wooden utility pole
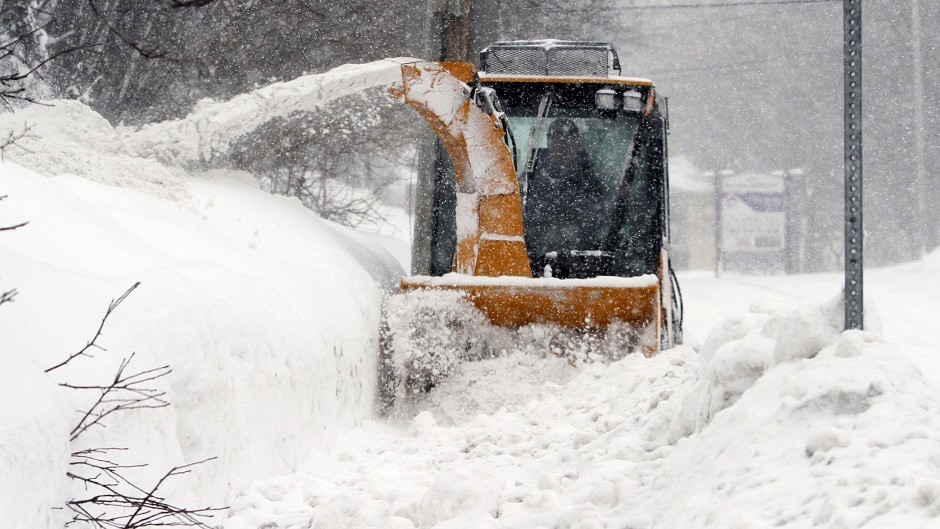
(449,29)
(457,30)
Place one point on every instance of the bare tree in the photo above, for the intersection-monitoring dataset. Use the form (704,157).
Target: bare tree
(11,140)
(147,51)
(23,49)
(339,162)
(22,52)
(186,50)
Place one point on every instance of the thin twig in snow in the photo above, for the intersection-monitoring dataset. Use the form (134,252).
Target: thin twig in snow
(93,343)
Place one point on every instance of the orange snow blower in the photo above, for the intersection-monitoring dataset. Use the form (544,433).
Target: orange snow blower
(552,208)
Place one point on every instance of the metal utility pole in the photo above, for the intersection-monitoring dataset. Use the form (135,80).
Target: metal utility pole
(718,183)
(716,224)
(852,66)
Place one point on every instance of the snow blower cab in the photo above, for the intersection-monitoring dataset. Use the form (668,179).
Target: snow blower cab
(569,230)
(589,150)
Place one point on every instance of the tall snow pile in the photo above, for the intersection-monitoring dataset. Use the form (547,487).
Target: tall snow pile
(267,316)
(782,420)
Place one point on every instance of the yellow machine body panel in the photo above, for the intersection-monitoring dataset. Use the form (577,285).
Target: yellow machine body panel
(568,303)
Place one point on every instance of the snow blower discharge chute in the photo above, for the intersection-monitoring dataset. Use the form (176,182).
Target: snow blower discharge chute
(551,211)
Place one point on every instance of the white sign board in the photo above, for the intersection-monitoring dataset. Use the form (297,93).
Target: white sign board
(752,213)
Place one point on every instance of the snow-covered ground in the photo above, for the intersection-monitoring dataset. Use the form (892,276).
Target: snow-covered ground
(769,416)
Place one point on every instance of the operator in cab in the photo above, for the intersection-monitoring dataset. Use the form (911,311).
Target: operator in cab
(565,197)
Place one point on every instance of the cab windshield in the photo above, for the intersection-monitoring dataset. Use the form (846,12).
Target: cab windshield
(606,142)
(571,159)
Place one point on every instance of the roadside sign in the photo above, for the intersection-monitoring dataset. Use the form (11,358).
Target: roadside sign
(753,214)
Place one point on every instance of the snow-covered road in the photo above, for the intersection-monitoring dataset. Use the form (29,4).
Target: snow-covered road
(565,455)
(723,437)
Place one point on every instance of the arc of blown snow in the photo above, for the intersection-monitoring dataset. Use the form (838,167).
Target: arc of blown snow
(489,214)
(212,125)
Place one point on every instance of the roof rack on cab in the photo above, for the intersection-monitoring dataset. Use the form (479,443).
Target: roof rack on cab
(550,57)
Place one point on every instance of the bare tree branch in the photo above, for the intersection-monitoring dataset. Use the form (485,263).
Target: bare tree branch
(190,3)
(122,393)
(15,226)
(119,503)
(11,82)
(13,137)
(93,342)
(153,52)
(8,296)
(114,501)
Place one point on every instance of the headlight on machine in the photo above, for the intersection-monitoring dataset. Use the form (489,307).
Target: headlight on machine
(606,99)
(632,101)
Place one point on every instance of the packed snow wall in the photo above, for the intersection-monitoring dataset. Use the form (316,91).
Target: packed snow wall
(267,315)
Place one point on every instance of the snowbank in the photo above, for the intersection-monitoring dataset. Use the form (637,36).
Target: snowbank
(848,438)
(68,138)
(781,420)
(739,350)
(268,316)
(34,444)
